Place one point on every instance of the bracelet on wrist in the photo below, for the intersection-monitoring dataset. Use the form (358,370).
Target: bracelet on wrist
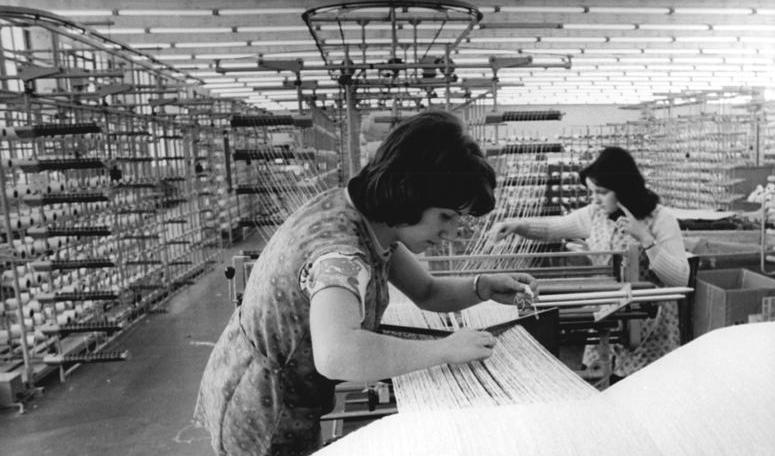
(476,287)
(652,244)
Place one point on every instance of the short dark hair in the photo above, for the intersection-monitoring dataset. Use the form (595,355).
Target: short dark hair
(615,169)
(426,161)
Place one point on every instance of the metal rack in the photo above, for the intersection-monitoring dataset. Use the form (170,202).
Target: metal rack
(279,163)
(104,214)
(697,150)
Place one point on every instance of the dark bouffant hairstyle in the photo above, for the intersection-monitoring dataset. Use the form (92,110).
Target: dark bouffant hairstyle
(426,161)
(615,169)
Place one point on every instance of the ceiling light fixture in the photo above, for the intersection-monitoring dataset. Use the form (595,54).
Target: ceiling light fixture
(685,27)
(626,10)
(573,39)
(503,39)
(211,44)
(599,26)
(542,9)
(613,51)
(163,12)
(744,28)
(149,45)
(174,57)
(257,11)
(121,31)
(273,28)
(681,51)
(552,51)
(640,39)
(718,11)
(195,30)
(730,51)
(706,39)
(84,13)
(224,56)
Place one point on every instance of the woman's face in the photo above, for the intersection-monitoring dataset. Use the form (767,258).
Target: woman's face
(437,224)
(603,197)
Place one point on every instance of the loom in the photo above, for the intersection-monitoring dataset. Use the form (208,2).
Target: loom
(711,396)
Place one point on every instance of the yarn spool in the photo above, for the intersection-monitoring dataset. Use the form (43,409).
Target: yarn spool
(63,319)
(20,249)
(11,304)
(16,329)
(32,307)
(70,315)
(21,190)
(40,246)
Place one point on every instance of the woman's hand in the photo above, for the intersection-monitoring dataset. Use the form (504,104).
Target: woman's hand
(465,345)
(635,228)
(504,287)
(502,229)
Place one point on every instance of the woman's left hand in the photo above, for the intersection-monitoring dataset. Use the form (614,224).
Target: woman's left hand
(503,287)
(634,227)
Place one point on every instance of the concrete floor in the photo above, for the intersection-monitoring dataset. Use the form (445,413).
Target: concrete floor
(142,406)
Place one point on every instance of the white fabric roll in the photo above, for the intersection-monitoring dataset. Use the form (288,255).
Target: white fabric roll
(713,396)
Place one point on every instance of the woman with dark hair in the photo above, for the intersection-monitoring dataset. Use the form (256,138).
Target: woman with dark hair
(623,212)
(316,295)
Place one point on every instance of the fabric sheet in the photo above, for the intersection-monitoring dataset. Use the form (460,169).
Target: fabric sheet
(713,396)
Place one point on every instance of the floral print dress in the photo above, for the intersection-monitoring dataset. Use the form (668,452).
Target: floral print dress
(659,335)
(260,393)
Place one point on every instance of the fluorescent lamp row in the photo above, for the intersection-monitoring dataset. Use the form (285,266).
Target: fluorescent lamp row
(303,28)
(486,10)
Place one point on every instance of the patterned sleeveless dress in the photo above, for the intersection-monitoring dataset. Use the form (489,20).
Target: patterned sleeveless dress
(260,393)
(659,335)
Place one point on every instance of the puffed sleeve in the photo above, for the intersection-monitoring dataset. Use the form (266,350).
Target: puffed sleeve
(348,270)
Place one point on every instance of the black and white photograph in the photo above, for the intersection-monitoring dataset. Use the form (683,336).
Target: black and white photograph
(387,228)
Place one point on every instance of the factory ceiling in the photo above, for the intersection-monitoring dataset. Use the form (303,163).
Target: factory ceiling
(533,52)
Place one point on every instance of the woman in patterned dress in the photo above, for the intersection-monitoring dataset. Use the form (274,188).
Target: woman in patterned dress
(317,293)
(623,212)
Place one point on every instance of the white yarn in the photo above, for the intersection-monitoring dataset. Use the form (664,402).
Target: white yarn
(507,377)
(713,396)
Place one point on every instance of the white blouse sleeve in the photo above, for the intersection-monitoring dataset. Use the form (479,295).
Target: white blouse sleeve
(668,257)
(577,224)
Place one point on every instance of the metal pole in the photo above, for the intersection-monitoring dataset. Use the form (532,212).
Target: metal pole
(17,289)
(351,158)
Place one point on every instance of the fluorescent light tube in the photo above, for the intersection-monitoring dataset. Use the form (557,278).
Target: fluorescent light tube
(720,11)
(190,30)
(599,26)
(211,44)
(686,27)
(121,31)
(83,12)
(641,39)
(164,12)
(257,11)
(626,10)
(542,9)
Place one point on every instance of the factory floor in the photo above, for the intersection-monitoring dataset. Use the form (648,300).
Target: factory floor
(138,407)
(141,406)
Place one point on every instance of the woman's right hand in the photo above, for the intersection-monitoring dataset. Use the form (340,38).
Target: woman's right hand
(502,229)
(465,345)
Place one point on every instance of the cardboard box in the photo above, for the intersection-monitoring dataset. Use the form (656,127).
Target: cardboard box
(11,388)
(726,297)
